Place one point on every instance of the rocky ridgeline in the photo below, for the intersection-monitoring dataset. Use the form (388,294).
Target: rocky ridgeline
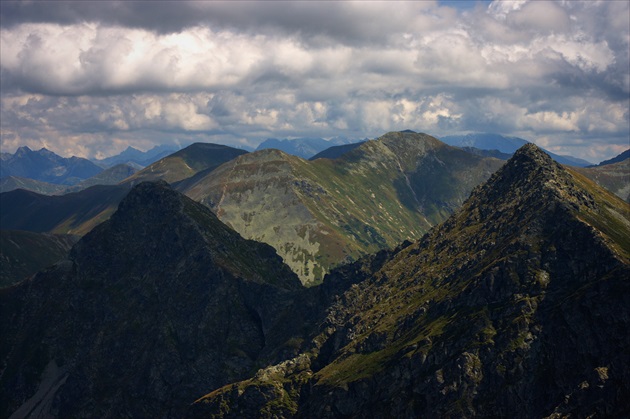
(514,307)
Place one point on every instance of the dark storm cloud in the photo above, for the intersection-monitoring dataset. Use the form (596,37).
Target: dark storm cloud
(315,21)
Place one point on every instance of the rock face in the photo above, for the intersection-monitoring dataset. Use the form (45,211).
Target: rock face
(151,307)
(517,306)
(318,214)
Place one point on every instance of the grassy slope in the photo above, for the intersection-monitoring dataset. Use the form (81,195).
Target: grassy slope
(320,213)
(615,177)
(186,163)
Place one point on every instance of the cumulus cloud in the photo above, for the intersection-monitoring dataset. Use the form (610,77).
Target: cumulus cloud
(109,74)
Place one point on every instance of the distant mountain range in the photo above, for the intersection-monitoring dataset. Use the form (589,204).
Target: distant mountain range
(617,159)
(613,174)
(46,166)
(137,157)
(303,147)
(110,176)
(504,144)
(516,305)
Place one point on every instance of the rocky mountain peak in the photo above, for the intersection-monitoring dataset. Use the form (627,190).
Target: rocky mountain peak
(176,227)
(533,179)
(150,198)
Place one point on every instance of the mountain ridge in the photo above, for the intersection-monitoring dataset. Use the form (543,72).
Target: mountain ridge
(135,156)
(515,306)
(320,213)
(505,144)
(186,163)
(301,147)
(46,166)
(150,306)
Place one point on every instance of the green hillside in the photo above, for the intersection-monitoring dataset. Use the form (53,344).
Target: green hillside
(186,163)
(318,214)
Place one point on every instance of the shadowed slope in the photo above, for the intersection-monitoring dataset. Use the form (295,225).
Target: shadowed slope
(152,306)
(516,306)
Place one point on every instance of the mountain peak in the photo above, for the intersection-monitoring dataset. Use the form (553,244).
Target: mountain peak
(153,212)
(22,151)
(530,153)
(162,289)
(531,175)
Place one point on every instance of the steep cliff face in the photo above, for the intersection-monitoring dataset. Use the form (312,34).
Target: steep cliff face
(318,214)
(517,306)
(151,307)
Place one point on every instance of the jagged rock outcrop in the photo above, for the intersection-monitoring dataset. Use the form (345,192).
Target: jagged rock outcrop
(152,307)
(517,306)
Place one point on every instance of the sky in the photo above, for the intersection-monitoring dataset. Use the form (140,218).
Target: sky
(89,78)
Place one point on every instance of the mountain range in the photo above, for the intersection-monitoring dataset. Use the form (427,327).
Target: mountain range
(517,305)
(302,147)
(46,166)
(504,144)
(186,163)
(150,307)
(137,157)
(318,214)
(110,176)
(617,159)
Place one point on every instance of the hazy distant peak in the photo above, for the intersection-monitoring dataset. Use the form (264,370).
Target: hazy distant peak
(619,158)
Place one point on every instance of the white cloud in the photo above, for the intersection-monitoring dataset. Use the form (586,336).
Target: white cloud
(241,71)
(543,16)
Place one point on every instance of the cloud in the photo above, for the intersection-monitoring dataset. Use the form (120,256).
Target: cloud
(107,74)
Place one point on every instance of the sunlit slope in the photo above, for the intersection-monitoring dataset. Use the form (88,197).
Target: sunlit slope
(186,163)
(322,212)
